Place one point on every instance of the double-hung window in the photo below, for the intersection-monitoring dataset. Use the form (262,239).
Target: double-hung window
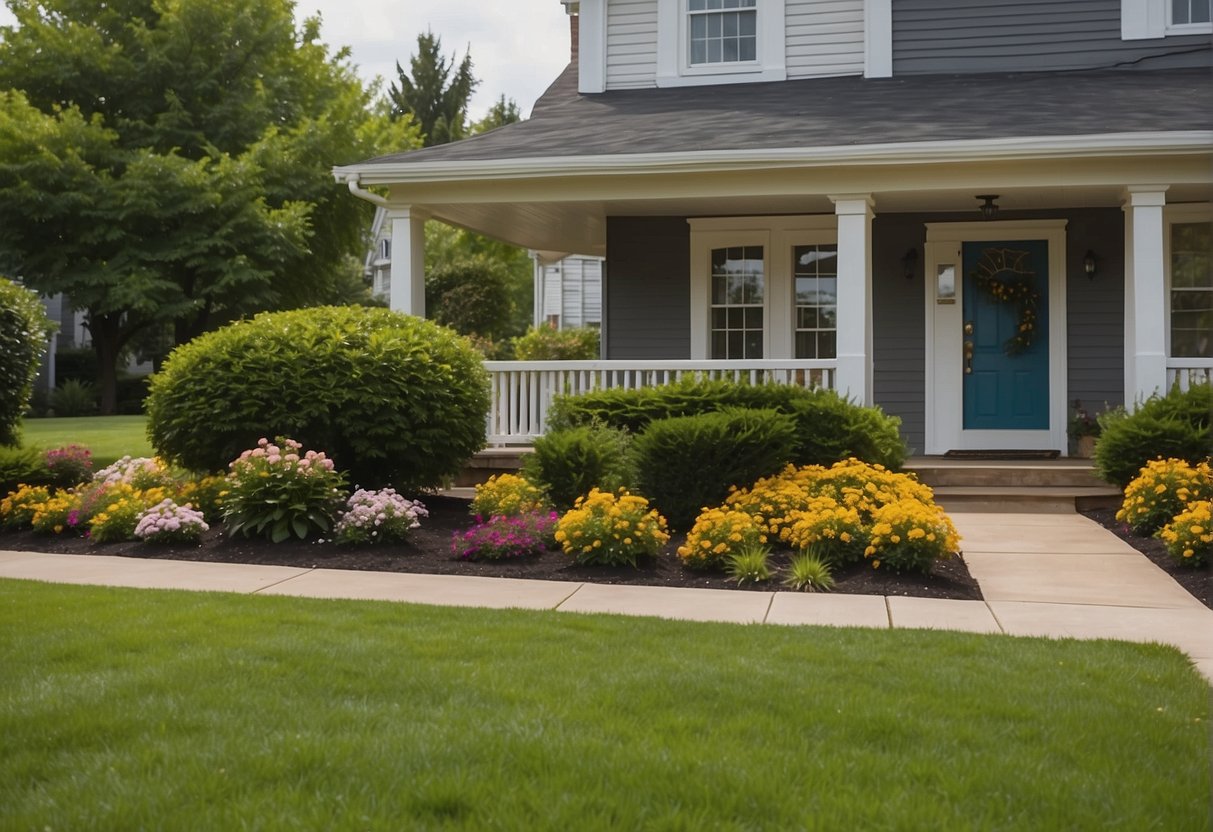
(1190,12)
(722,31)
(1190,243)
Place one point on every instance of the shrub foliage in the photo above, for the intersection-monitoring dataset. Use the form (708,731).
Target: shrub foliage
(568,463)
(687,463)
(24,328)
(1174,426)
(828,427)
(393,399)
(546,343)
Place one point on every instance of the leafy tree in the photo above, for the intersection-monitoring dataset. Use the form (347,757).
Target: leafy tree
(471,296)
(504,111)
(167,163)
(436,99)
(23,332)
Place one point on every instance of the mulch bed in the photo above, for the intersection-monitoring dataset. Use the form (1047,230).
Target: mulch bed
(429,551)
(1199,582)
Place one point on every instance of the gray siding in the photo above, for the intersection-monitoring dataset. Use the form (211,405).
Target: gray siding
(823,37)
(961,36)
(647,288)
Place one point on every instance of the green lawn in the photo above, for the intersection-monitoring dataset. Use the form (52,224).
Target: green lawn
(127,709)
(108,437)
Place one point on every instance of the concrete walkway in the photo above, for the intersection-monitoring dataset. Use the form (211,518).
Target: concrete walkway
(1058,575)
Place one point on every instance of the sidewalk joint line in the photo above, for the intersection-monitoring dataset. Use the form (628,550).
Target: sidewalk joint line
(994,615)
(888,612)
(307,571)
(563,600)
(767,614)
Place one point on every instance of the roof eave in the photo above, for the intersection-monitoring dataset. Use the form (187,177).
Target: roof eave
(1153,143)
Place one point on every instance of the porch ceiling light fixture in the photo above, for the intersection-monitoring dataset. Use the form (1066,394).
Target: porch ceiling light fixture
(989,209)
(909,263)
(1089,264)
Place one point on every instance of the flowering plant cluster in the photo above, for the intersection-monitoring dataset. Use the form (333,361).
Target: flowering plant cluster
(276,490)
(1161,490)
(167,522)
(18,508)
(719,533)
(378,517)
(116,512)
(772,500)
(1189,535)
(70,465)
(612,529)
(503,537)
(140,472)
(833,532)
(205,494)
(908,535)
(506,495)
(56,514)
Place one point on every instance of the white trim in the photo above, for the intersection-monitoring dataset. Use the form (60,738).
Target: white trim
(673,64)
(854,337)
(1174,28)
(878,38)
(778,235)
(1145,303)
(944,399)
(1153,143)
(1143,19)
(591,46)
(408,260)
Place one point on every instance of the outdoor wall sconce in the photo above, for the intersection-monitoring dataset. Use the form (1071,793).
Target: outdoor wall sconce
(1089,262)
(909,264)
(989,209)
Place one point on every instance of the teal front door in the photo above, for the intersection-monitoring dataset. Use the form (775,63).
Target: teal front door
(1006,335)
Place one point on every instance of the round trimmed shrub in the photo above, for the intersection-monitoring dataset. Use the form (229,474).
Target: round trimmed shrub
(1178,425)
(392,399)
(24,329)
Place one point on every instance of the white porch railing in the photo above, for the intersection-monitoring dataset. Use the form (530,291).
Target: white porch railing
(522,391)
(1187,372)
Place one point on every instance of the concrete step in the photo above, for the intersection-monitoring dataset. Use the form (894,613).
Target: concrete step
(490,462)
(1025,499)
(1066,473)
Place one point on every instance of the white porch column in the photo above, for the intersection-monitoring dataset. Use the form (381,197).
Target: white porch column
(854,212)
(408,261)
(1145,293)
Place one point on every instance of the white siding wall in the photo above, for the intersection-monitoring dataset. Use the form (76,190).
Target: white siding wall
(631,44)
(572,291)
(824,37)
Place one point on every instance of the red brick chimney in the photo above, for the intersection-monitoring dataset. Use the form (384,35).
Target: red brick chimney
(574,35)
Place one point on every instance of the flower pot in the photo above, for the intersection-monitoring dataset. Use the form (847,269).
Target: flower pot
(1085,447)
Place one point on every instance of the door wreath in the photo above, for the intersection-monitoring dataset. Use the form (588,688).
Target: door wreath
(1003,274)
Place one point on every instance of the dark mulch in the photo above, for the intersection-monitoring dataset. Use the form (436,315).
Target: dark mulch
(429,550)
(1199,582)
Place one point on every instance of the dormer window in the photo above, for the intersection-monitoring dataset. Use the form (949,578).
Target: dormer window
(720,42)
(722,31)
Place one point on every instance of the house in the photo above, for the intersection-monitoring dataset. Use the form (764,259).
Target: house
(969,213)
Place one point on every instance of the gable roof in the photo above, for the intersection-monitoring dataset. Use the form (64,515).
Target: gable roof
(833,112)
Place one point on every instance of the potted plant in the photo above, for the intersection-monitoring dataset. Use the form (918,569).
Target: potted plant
(1083,430)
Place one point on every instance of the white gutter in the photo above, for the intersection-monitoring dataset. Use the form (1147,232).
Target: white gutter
(361,193)
(1155,143)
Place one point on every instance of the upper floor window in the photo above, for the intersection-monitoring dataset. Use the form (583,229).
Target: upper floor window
(722,31)
(1188,12)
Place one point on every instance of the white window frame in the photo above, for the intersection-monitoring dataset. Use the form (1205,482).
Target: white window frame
(778,235)
(674,67)
(1179,215)
(1151,19)
(1174,28)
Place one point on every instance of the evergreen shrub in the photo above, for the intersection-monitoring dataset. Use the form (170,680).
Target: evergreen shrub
(546,343)
(686,463)
(1174,426)
(24,329)
(392,399)
(569,463)
(829,428)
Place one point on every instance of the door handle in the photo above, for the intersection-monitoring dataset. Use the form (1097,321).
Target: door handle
(968,353)
(968,327)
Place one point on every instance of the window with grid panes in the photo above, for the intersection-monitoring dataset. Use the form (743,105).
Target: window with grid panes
(1185,12)
(815,282)
(738,295)
(1192,289)
(722,31)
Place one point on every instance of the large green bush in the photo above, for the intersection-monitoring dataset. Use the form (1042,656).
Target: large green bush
(1174,426)
(392,399)
(24,329)
(687,463)
(471,296)
(828,427)
(567,463)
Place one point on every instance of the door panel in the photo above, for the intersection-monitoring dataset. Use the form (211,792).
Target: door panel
(1006,377)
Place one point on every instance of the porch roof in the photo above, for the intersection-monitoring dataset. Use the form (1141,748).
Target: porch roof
(834,112)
